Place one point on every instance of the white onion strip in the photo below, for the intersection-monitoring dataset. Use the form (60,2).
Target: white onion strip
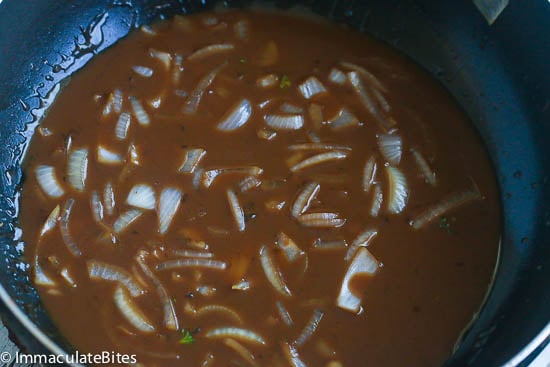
(319,147)
(427,172)
(131,312)
(318,159)
(48,182)
(369,174)
(391,148)
(125,219)
(50,222)
(192,102)
(237,116)
(164,57)
(109,198)
(337,76)
(140,113)
(311,87)
(170,316)
(305,198)
(377,198)
(97,207)
(362,240)
(343,119)
(363,264)
(192,160)
(143,71)
(290,249)
(310,328)
(193,253)
(367,75)
(292,356)
(236,210)
(221,309)
(64,228)
(191,263)
(321,220)
(336,244)
(40,278)
(272,273)
(77,168)
(210,50)
(210,175)
(451,202)
(284,122)
(122,126)
(168,205)
(235,333)
(398,191)
(98,270)
(284,314)
(107,156)
(142,196)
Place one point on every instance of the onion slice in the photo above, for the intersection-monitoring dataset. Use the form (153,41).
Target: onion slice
(192,102)
(267,81)
(311,87)
(283,313)
(192,160)
(168,205)
(272,273)
(310,328)
(97,207)
(131,312)
(336,244)
(109,198)
(237,116)
(142,196)
(122,126)
(367,75)
(343,119)
(50,222)
(221,309)
(48,182)
(318,159)
(40,277)
(164,57)
(290,249)
(369,174)
(191,263)
(337,76)
(107,156)
(363,264)
(362,240)
(210,175)
(236,210)
(125,219)
(451,202)
(64,228)
(140,113)
(391,148)
(398,192)
(210,50)
(292,356)
(244,335)
(427,172)
(377,198)
(321,220)
(284,122)
(304,199)
(319,147)
(77,168)
(98,270)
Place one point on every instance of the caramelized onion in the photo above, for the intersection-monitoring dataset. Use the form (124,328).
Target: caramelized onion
(237,116)
(362,240)
(272,273)
(391,148)
(141,115)
(283,313)
(304,199)
(367,75)
(98,270)
(122,126)
(244,335)
(125,219)
(191,263)
(45,175)
(191,160)
(369,174)
(236,210)
(290,249)
(168,205)
(131,312)
(343,119)
(321,220)
(64,228)
(311,87)
(164,57)
(292,356)
(142,196)
(50,222)
(97,207)
(109,198)
(398,192)
(362,264)
(77,169)
(318,159)
(284,122)
(107,156)
(210,50)
(192,102)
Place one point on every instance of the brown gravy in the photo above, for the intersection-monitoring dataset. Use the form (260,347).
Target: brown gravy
(161,274)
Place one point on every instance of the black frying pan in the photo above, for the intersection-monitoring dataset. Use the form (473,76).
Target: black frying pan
(500,75)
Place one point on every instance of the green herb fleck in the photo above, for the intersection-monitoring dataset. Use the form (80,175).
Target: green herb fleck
(187,338)
(445,224)
(285,82)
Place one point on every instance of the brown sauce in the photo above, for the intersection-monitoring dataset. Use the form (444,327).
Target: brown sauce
(424,269)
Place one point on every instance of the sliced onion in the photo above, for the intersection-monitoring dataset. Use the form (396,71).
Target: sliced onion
(242,285)
(369,174)
(363,264)
(177,69)
(284,122)
(64,228)
(343,119)
(131,312)
(164,57)
(391,148)
(125,219)
(242,30)
(305,198)
(310,328)
(142,196)
(292,356)
(362,240)
(266,134)
(236,210)
(109,198)
(249,183)
(283,313)
(267,81)
(210,175)
(311,87)
(318,159)
(377,199)
(322,244)
(192,102)
(272,273)
(208,309)
(451,202)
(141,115)
(337,76)
(40,278)
(398,191)
(97,207)
(382,101)
(133,155)
(290,249)
(319,147)
(237,116)
(77,168)
(321,220)
(191,160)
(197,178)
(193,253)
(51,221)
(168,205)
(210,50)
(367,75)
(427,172)
(98,270)
(244,335)
(114,103)
(192,263)
(143,71)
(290,108)
(122,126)
(367,101)
(107,156)
(242,351)
(68,278)
(170,317)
